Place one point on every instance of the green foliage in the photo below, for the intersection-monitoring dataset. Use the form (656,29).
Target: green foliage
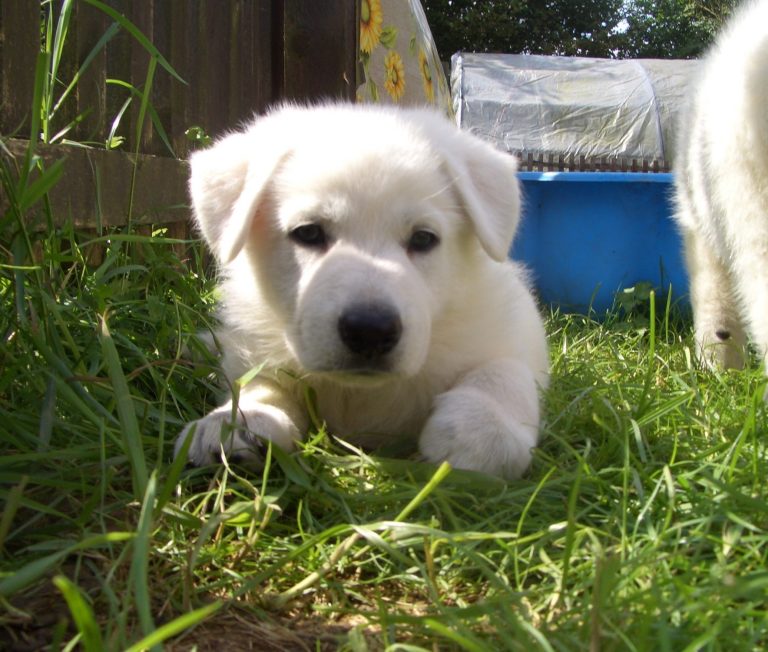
(198,136)
(596,28)
(562,27)
(84,411)
(666,29)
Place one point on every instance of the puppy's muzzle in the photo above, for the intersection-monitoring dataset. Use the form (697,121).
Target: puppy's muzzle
(370,331)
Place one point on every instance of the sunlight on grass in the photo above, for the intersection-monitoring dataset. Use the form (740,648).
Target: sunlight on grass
(642,523)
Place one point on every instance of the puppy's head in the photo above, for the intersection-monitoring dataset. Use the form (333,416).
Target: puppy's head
(360,225)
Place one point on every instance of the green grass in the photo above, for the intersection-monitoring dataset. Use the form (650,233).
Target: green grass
(641,525)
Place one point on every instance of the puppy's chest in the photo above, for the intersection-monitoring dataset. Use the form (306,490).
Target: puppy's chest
(370,416)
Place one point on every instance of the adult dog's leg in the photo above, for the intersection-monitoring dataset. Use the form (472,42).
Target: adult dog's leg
(720,337)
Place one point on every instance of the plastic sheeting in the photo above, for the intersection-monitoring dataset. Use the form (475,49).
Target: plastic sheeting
(574,107)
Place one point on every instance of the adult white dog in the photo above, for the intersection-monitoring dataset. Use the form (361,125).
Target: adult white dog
(364,254)
(722,191)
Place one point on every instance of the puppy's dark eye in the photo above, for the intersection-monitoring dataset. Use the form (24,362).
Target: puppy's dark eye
(310,235)
(422,241)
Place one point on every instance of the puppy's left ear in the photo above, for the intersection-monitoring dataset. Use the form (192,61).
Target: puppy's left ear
(486,181)
(229,184)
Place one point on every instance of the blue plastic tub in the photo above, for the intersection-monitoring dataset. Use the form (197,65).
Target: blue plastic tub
(587,235)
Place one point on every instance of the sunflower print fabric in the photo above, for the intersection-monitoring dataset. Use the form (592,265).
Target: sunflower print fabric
(398,58)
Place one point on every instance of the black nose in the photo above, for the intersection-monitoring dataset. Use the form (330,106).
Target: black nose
(370,330)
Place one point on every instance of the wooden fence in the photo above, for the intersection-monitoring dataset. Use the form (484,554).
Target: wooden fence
(548,162)
(235,58)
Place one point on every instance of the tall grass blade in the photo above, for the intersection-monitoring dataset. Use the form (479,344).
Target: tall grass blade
(73,391)
(90,635)
(139,574)
(570,532)
(56,50)
(60,37)
(141,94)
(440,474)
(462,640)
(38,95)
(131,435)
(11,507)
(47,416)
(35,569)
(33,192)
(138,135)
(105,38)
(172,474)
(134,31)
(176,626)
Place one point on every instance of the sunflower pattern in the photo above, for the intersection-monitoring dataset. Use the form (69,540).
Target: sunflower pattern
(370,24)
(394,81)
(426,77)
(398,57)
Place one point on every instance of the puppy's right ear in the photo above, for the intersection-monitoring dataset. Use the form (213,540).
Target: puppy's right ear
(229,183)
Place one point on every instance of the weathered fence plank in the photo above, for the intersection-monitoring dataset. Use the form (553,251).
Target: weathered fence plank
(19,45)
(96,189)
(252,59)
(91,92)
(236,58)
(320,49)
(142,15)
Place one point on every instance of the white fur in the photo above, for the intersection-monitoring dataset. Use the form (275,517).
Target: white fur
(466,370)
(722,191)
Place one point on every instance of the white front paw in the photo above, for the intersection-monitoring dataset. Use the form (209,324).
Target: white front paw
(243,441)
(470,431)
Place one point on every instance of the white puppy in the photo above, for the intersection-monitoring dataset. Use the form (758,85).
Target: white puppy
(722,191)
(364,254)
